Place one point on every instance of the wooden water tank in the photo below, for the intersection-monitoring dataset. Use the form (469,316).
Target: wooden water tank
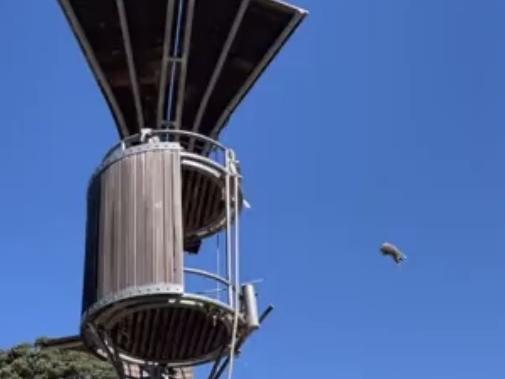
(138,210)
(134,232)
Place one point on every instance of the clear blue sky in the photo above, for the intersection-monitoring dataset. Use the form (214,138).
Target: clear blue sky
(381,120)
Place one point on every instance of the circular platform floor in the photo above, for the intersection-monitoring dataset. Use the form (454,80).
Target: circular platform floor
(155,325)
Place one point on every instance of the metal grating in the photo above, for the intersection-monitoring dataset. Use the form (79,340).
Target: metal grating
(149,326)
(185,64)
(173,334)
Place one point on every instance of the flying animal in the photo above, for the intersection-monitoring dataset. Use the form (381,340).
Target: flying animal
(395,253)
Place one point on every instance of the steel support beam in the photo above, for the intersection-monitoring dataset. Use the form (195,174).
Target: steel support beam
(125,31)
(219,66)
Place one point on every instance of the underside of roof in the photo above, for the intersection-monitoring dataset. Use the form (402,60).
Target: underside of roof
(183,64)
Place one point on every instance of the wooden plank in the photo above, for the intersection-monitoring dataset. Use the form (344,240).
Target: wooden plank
(168,263)
(177,212)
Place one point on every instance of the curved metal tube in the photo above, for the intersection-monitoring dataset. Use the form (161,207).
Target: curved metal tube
(206,274)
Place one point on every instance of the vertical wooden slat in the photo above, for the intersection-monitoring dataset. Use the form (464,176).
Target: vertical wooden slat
(159,206)
(148,231)
(135,223)
(115,268)
(178,226)
(121,253)
(140,215)
(167,216)
(129,166)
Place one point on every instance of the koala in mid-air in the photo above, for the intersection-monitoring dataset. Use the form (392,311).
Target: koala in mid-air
(395,253)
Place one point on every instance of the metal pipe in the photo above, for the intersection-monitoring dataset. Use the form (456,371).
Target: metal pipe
(228,226)
(281,39)
(188,27)
(207,274)
(111,355)
(240,343)
(175,49)
(216,365)
(218,265)
(220,64)
(250,306)
(191,134)
(266,312)
(138,138)
(237,263)
(97,69)
(165,62)
(123,21)
(221,369)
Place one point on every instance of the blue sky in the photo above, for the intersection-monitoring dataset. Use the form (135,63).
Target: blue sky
(381,120)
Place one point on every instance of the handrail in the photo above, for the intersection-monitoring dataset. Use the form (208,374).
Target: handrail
(146,133)
(207,274)
(190,134)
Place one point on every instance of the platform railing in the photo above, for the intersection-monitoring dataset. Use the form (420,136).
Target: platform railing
(191,142)
(229,281)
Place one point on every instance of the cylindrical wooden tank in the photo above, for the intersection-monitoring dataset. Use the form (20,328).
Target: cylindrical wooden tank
(134,229)
(139,214)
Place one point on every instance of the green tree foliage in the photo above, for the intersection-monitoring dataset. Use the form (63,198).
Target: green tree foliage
(29,362)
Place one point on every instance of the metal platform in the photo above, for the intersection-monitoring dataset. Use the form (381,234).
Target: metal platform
(182,330)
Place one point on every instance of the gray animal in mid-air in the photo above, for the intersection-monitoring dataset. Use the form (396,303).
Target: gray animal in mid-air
(391,250)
